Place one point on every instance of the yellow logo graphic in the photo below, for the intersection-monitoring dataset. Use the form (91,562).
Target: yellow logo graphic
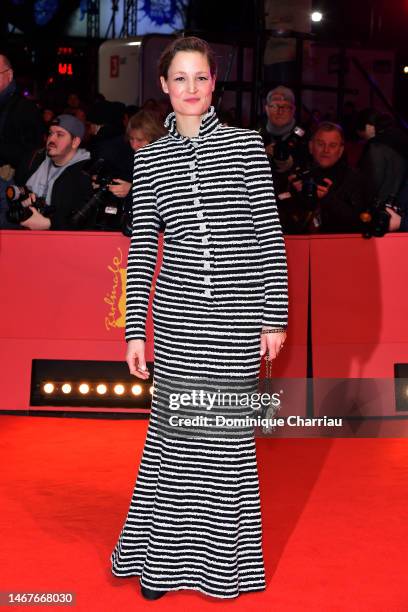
(117,297)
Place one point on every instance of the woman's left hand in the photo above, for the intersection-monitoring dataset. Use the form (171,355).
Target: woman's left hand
(272,343)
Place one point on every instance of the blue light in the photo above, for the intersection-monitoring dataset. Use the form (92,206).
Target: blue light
(44,11)
(160,11)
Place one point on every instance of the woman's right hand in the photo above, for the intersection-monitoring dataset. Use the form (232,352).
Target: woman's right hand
(135,357)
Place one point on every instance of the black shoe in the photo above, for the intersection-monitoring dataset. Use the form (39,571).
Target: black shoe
(150,594)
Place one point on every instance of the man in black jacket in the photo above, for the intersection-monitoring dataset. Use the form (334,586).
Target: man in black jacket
(59,178)
(285,142)
(331,196)
(384,163)
(21,129)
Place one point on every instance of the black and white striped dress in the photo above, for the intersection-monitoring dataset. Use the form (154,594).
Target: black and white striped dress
(194,520)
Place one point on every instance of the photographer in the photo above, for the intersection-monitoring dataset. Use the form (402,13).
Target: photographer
(57,177)
(330,196)
(21,130)
(143,128)
(384,160)
(285,142)
(384,163)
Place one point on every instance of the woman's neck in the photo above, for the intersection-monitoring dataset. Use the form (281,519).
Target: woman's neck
(188,126)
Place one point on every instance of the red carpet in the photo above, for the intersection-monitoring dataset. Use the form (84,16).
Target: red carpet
(334,512)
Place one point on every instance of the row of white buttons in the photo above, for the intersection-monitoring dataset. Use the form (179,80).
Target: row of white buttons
(203,227)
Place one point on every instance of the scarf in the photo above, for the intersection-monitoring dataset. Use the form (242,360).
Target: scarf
(280,132)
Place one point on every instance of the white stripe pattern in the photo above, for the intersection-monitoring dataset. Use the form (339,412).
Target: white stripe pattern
(194,520)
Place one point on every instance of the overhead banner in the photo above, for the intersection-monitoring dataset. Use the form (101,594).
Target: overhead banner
(289,15)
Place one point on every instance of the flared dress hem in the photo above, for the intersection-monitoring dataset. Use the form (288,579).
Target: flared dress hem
(194,588)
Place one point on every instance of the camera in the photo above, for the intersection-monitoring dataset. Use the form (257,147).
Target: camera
(283,148)
(376,219)
(17,213)
(310,182)
(104,209)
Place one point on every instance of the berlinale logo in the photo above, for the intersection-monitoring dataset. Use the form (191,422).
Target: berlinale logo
(117,297)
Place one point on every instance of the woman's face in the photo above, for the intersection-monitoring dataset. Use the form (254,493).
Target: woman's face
(137,139)
(189,83)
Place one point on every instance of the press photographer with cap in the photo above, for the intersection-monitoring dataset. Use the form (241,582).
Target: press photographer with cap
(57,176)
(285,142)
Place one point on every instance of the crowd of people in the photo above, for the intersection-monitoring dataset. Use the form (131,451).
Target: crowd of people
(73,166)
(317,190)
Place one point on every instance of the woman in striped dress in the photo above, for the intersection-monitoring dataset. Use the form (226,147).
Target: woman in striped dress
(220,304)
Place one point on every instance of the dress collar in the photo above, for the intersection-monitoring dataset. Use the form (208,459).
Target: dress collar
(209,124)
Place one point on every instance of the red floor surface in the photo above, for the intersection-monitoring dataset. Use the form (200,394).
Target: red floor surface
(334,513)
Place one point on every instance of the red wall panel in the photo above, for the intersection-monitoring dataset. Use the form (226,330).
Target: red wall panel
(63,297)
(359,298)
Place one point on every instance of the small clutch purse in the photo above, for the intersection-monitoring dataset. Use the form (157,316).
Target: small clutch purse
(270,410)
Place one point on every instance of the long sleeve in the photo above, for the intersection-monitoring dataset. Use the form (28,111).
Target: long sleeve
(142,252)
(268,230)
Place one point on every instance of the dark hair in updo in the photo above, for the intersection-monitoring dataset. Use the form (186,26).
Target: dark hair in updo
(189,43)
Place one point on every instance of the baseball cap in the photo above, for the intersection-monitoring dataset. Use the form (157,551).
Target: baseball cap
(281,94)
(70,123)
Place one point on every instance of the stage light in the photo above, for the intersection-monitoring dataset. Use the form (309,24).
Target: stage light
(119,389)
(136,389)
(316,16)
(48,388)
(151,390)
(89,383)
(101,389)
(405,69)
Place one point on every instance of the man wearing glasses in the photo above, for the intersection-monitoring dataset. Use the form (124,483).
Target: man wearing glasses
(285,142)
(20,124)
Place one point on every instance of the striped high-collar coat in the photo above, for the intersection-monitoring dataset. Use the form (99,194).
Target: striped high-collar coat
(194,520)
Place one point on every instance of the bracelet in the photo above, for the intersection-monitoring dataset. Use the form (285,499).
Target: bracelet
(274,330)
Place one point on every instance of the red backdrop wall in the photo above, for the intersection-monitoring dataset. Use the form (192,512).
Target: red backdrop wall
(63,297)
